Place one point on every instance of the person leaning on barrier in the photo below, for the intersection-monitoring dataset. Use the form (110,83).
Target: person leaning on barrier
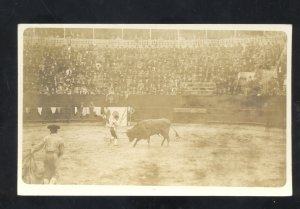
(54,148)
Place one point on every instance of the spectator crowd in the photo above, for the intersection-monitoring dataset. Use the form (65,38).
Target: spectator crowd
(91,69)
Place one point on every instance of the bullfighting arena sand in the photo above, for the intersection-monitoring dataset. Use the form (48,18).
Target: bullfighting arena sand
(206,155)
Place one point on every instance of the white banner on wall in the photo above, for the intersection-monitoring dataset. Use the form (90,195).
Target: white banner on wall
(120,111)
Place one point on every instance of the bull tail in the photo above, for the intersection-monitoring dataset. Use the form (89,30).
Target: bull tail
(177,135)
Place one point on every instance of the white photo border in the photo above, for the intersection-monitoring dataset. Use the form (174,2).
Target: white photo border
(99,190)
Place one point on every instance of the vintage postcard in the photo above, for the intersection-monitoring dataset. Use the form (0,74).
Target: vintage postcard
(155,110)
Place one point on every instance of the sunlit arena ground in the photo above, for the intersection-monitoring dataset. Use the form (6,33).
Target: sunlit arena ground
(205,155)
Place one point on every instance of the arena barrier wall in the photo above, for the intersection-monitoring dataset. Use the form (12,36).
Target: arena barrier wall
(179,109)
(224,101)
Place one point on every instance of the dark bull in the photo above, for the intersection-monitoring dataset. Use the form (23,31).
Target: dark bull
(146,128)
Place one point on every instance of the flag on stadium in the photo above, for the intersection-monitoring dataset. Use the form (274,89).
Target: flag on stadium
(40,110)
(85,111)
(53,110)
(120,111)
(97,111)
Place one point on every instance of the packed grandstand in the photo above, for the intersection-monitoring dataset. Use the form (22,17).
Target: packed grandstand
(153,62)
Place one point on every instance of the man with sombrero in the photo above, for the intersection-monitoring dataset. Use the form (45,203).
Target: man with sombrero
(54,147)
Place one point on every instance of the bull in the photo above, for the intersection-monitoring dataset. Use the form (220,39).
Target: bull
(147,128)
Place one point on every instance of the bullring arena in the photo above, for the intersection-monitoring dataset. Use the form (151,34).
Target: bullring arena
(223,91)
(207,155)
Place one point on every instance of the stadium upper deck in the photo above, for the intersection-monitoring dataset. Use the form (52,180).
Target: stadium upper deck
(143,62)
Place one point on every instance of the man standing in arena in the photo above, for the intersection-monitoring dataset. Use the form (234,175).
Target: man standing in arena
(54,148)
(113,122)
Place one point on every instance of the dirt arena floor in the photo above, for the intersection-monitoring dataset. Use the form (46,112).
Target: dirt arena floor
(207,155)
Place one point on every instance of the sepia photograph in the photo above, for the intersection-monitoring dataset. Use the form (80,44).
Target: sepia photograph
(168,110)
